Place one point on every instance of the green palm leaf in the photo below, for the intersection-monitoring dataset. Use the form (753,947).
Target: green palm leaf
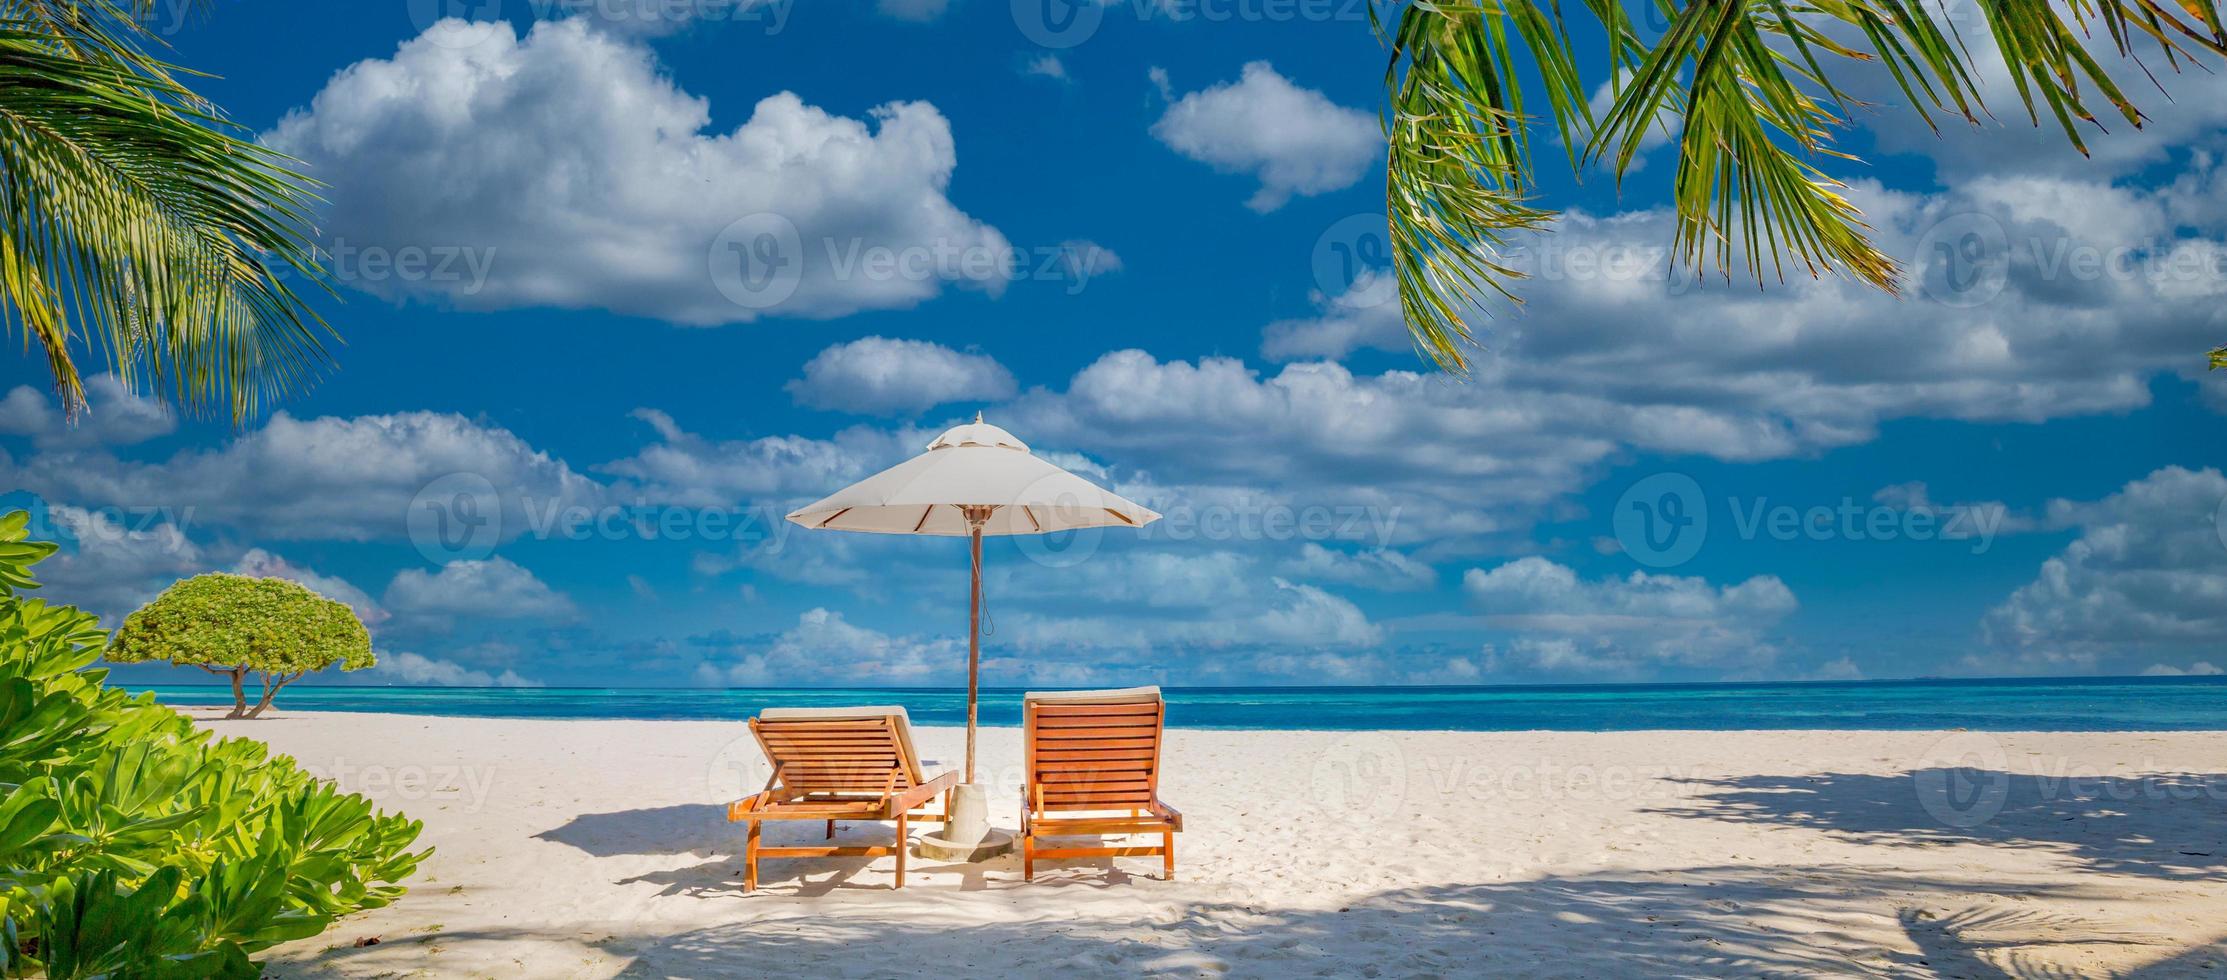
(139,225)
(1759,89)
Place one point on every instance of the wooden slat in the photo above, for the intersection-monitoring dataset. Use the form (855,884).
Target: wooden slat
(1133,761)
(1061,724)
(1101,787)
(1057,710)
(1104,825)
(1044,756)
(1086,721)
(863,725)
(818,852)
(1085,852)
(1059,734)
(829,738)
(1119,772)
(1134,798)
(1142,746)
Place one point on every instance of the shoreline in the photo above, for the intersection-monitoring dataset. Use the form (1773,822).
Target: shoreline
(599,848)
(216,713)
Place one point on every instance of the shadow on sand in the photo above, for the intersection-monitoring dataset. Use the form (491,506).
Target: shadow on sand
(1707,921)
(2171,825)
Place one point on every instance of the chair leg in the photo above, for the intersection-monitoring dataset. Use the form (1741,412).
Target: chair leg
(900,852)
(750,858)
(831,830)
(1167,855)
(1028,856)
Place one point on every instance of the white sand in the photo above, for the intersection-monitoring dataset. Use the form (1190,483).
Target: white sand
(598,848)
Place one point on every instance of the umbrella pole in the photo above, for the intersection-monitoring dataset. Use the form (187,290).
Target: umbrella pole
(974,645)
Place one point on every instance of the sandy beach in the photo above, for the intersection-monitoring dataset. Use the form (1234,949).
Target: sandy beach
(598,849)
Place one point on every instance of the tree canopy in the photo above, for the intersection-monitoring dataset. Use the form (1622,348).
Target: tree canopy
(234,624)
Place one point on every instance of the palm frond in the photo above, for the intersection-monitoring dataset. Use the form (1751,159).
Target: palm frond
(138,223)
(1760,87)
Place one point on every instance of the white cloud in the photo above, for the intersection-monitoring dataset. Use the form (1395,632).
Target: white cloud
(577,176)
(687,469)
(114,415)
(879,375)
(1046,65)
(493,588)
(824,647)
(2147,574)
(262,564)
(1295,140)
(2189,113)
(1374,568)
(2201,668)
(410,668)
(344,479)
(1365,315)
(113,562)
(1628,625)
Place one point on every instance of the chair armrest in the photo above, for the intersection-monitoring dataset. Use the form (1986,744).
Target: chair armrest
(747,804)
(1171,814)
(924,792)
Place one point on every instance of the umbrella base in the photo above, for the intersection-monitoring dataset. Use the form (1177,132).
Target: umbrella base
(967,837)
(993,844)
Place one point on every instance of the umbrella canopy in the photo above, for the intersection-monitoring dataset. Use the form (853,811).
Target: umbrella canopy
(975,480)
(973,466)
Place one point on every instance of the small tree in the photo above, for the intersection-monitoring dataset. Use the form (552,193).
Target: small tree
(229,625)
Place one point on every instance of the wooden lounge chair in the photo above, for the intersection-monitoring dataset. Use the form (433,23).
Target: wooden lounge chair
(1093,769)
(838,764)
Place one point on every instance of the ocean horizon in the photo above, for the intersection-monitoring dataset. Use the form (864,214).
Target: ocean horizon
(1998,704)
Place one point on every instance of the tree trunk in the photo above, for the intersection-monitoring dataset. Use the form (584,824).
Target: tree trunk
(239,696)
(271,688)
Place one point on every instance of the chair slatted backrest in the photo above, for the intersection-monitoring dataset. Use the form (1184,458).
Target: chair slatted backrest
(1094,754)
(820,752)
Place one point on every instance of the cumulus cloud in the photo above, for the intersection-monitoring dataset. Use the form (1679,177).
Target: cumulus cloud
(258,563)
(330,478)
(1375,568)
(823,646)
(1294,140)
(690,470)
(403,667)
(114,415)
(2147,576)
(562,169)
(112,562)
(879,375)
(1564,623)
(489,589)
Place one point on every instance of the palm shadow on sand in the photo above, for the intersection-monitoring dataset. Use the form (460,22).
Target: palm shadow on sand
(2164,825)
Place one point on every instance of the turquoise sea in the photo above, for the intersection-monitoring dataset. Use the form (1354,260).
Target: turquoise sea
(2057,704)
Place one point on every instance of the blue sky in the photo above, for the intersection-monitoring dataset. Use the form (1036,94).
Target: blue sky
(2012,470)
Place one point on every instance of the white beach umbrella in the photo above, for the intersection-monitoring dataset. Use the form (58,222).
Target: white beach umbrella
(974,480)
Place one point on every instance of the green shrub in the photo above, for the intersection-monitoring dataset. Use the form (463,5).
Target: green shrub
(131,843)
(230,625)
